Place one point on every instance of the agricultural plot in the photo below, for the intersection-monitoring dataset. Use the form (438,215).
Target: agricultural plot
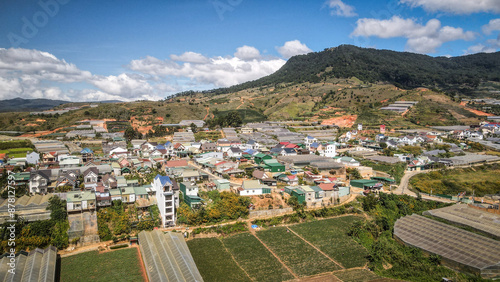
(120,265)
(299,256)
(16,152)
(356,275)
(214,262)
(255,259)
(330,236)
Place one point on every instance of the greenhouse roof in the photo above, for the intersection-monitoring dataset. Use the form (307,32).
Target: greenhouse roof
(453,244)
(167,257)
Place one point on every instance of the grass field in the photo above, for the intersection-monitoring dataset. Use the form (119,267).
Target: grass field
(356,275)
(120,265)
(214,262)
(330,236)
(481,180)
(16,152)
(302,258)
(257,261)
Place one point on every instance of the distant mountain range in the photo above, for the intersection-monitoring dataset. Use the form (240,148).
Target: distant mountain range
(403,69)
(23,105)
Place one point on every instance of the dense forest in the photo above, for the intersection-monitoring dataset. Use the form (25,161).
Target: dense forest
(403,69)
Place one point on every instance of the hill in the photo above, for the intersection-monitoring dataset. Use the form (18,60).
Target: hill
(405,70)
(20,104)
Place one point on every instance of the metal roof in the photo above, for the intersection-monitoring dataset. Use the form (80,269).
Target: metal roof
(453,244)
(167,257)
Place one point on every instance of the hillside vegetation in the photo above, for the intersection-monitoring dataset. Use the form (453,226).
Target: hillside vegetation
(339,83)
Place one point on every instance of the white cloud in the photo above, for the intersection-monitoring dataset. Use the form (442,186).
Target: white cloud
(190,57)
(339,8)
(247,53)
(124,85)
(421,38)
(490,46)
(292,48)
(456,6)
(40,64)
(247,64)
(493,25)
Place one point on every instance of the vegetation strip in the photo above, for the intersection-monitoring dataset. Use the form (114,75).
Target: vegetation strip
(296,234)
(232,256)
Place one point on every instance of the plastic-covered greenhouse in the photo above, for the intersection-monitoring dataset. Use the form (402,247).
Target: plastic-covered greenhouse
(167,257)
(460,249)
(38,265)
(465,215)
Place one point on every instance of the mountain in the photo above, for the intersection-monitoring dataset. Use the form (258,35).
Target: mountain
(21,105)
(403,69)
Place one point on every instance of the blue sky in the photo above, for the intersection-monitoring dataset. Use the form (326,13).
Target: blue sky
(129,50)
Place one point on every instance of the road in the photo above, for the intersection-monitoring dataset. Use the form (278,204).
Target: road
(403,187)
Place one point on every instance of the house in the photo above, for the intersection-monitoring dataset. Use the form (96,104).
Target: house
(192,175)
(252,188)
(264,177)
(252,144)
(272,165)
(290,180)
(78,201)
(128,195)
(288,152)
(328,150)
(49,158)
(348,161)
(309,140)
(179,148)
(32,158)
(208,147)
(222,184)
(87,154)
(39,181)
(90,175)
(234,152)
(67,178)
(187,188)
(167,197)
(102,196)
(259,158)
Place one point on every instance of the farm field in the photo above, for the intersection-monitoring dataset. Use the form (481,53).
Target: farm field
(214,262)
(16,152)
(255,259)
(299,256)
(330,236)
(356,275)
(119,265)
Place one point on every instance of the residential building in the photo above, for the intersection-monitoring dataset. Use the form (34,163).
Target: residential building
(253,187)
(167,198)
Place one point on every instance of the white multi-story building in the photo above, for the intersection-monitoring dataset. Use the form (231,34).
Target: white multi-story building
(329,150)
(167,198)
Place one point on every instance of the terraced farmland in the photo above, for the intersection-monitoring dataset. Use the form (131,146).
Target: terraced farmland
(214,262)
(330,236)
(302,258)
(255,259)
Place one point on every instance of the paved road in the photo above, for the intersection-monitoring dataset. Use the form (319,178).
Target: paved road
(403,187)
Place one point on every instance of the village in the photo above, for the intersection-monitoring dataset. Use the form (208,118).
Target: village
(173,185)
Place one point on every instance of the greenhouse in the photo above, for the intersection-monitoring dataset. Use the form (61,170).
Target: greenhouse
(459,249)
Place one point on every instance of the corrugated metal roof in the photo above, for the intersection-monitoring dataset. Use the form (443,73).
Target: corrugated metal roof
(167,257)
(38,265)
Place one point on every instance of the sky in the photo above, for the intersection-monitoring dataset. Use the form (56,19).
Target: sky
(148,50)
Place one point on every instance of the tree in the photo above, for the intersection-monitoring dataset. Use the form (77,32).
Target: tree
(194,128)
(57,208)
(353,173)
